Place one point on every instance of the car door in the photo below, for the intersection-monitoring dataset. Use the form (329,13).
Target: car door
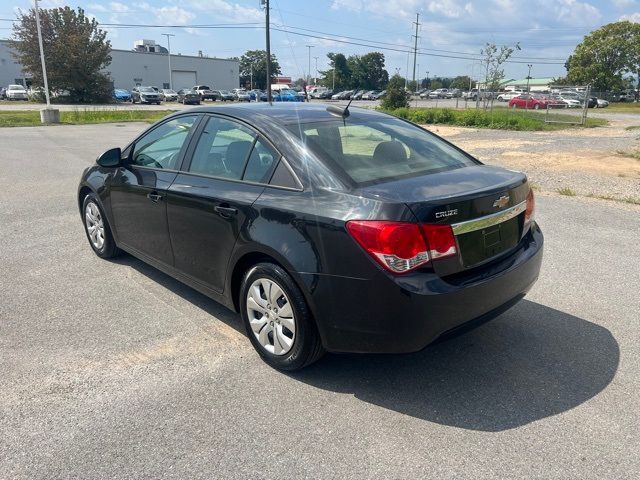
(210,202)
(138,189)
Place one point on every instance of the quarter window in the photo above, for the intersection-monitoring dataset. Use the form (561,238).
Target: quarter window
(161,147)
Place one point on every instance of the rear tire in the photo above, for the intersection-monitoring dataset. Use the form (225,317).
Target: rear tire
(97,228)
(277,318)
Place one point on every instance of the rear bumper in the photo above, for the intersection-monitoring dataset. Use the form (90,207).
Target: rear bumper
(406,313)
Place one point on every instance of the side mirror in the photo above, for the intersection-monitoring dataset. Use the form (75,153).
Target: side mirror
(110,158)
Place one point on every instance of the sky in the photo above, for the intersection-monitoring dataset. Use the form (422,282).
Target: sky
(546,30)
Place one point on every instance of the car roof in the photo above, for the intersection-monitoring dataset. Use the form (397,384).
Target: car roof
(285,113)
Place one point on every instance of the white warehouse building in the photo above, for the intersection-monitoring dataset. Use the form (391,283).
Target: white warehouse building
(148,64)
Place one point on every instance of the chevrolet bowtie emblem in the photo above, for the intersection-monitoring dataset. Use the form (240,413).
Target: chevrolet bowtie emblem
(501,202)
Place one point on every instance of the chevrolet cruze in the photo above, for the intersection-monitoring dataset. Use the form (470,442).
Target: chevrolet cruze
(326,228)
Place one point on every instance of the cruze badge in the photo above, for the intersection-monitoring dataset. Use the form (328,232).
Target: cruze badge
(501,202)
(447,213)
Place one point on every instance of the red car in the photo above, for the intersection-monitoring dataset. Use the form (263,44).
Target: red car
(535,102)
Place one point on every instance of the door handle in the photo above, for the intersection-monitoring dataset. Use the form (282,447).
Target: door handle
(225,212)
(154,197)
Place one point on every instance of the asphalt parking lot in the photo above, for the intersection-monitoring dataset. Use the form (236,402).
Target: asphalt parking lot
(114,370)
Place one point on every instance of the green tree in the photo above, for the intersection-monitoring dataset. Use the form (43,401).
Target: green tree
(338,67)
(494,58)
(396,96)
(75,49)
(461,82)
(368,72)
(605,56)
(256,61)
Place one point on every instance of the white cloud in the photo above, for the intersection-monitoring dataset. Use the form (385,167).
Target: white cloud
(228,11)
(118,7)
(175,15)
(450,8)
(632,17)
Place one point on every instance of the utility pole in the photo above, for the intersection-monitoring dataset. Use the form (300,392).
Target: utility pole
(315,80)
(169,35)
(265,3)
(251,77)
(309,68)
(48,114)
(529,76)
(415,49)
(333,88)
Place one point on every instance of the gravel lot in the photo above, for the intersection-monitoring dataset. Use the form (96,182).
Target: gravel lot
(114,370)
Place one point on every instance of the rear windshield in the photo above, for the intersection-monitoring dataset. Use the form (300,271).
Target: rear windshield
(369,152)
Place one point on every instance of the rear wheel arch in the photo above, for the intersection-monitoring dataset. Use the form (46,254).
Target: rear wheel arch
(252,258)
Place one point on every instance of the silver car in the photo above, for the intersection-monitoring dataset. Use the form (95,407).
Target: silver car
(16,92)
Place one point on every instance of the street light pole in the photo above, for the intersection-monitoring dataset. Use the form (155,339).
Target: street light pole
(169,35)
(48,114)
(309,47)
(268,42)
(251,77)
(333,88)
(529,76)
(315,80)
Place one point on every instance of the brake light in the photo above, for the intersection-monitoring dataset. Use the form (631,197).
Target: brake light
(440,240)
(529,213)
(401,246)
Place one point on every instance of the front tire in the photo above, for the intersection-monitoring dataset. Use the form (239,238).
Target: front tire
(97,228)
(277,318)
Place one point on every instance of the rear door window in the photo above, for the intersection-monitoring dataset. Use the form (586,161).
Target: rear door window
(223,149)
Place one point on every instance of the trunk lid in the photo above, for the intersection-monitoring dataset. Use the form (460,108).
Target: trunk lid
(484,204)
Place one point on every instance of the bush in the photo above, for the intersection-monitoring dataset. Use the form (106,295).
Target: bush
(503,119)
(396,96)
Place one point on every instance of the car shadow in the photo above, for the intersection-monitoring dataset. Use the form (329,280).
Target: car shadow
(217,310)
(530,363)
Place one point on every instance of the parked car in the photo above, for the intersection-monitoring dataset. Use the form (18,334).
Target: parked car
(121,95)
(285,95)
(439,93)
(257,95)
(602,103)
(225,95)
(241,95)
(535,102)
(205,93)
(145,95)
(168,95)
(506,96)
(336,96)
(379,95)
(572,101)
(454,93)
(16,92)
(263,214)
(369,95)
(324,94)
(186,96)
(425,94)
(357,95)
(3,93)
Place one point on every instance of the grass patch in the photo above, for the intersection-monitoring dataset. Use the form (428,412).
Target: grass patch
(622,107)
(30,118)
(567,192)
(631,200)
(624,153)
(499,118)
(632,127)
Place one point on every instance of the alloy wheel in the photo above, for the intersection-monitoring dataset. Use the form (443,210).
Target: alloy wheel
(271,316)
(95,225)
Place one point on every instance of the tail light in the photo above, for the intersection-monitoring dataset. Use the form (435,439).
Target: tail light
(401,246)
(529,213)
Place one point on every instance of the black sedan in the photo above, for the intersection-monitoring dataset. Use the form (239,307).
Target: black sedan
(188,97)
(327,229)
